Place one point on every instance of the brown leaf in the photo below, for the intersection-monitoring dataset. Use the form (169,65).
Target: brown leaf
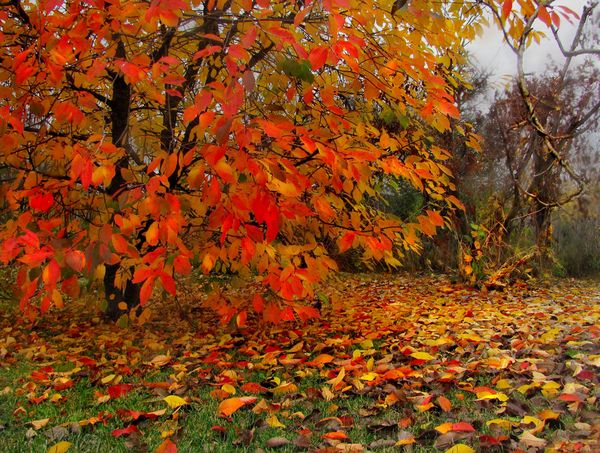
(382,443)
(529,440)
(448,439)
(56,433)
(302,441)
(276,442)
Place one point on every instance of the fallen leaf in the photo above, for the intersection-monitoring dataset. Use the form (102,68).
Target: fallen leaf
(230,405)
(125,431)
(548,414)
(460,448)
(336,435)
(405,438)
(536,422)
(119,390)
(274,422)
(422,356)
(60,447)
(529,440)
(174,401)
(167,446)
(444,403)
(56,433)
(449,439)
(504,424)
(276,442)
(349,448)
(38,424)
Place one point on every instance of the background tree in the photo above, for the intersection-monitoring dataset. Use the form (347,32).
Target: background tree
(140,139)
(535,128)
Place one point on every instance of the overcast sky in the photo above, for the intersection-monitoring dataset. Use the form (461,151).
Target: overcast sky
(493,55)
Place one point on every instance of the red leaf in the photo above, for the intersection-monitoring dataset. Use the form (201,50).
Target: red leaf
(125,431)
(51,273)
(146,290)
(258,303)
(60,386)
(570,397)
(318,57)
(252,387)
(463,427)
(75,260)
(119,390)
(168,284)
(41,202)
(506,8)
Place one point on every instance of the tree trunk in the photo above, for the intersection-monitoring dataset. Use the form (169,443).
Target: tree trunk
(544,186)
(120,299)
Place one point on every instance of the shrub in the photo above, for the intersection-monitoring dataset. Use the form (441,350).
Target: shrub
(577,245)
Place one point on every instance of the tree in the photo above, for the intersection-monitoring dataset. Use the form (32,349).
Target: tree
(143,138)
(536,125)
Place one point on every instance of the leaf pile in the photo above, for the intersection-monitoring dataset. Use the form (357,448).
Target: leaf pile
(394,361)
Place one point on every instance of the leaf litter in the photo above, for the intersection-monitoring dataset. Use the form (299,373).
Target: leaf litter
(434,364)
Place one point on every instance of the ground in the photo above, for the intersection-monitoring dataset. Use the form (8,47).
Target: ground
(395,362)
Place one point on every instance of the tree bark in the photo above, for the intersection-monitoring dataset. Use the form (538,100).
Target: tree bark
(120,300)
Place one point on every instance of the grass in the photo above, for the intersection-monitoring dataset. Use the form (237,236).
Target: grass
(200,363)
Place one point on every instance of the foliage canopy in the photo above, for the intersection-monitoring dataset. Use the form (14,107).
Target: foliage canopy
(142,138)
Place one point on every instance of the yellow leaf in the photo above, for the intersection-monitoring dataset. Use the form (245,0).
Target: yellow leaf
(538,424)
(548,415)
(503,384)
(504,424)
(339,378)
(274,422)
(369,376)
(460,448)
(422,356)
(550,389)
(60,447)
(366,344)
(174,401)
(444,428)
(39,424)
(491,396)
(108,379)
(229,388)
(284,388)
(287,189)
(407,440)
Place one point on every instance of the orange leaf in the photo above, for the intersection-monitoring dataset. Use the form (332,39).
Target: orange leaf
(544,16)
(152,234)
(337,435)
(320,360)
(119,243)
(444,403)
(168,446)
(230,405)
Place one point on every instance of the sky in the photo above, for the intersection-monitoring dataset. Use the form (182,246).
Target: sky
(492,53)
